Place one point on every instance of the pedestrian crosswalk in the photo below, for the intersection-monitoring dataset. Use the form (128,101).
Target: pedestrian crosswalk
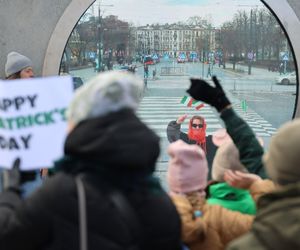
(158,111)
(258,124)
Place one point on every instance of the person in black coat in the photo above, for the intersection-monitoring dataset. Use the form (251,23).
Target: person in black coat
(106,148)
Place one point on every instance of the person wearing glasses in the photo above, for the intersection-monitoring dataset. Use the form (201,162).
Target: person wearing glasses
(196,134)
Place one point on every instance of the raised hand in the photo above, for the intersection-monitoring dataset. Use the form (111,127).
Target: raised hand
(181,119)
(239,179)
(215,96)
(11,178)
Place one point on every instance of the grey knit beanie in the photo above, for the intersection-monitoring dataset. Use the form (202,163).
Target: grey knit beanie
(283,157)
(227,157)
(107,92)
(16,62)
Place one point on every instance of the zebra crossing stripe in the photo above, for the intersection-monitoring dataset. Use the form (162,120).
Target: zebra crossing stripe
(168,116)
(166,121)
(157,112)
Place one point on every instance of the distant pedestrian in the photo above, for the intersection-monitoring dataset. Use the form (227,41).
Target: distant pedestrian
(281,68)
(209,70)
(154,74)
(145,83)
(146,71)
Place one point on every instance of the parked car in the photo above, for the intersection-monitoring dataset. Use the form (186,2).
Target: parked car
(148,60)
(286,79)
(129,68)
(124,68)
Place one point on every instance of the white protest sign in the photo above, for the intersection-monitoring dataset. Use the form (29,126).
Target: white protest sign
(32,120)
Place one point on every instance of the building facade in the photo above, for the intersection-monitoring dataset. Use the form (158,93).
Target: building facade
(175,39)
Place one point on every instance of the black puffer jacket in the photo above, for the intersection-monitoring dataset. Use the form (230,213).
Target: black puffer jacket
(114,152)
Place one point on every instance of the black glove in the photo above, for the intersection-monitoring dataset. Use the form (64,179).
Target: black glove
(200,90)
(13,178)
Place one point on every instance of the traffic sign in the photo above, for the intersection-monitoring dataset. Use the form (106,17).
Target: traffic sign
(250,55)
(285,57)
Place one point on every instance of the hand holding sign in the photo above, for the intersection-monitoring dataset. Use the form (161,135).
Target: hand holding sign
(11,178)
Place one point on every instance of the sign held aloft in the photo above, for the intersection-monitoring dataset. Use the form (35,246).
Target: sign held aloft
(32,120)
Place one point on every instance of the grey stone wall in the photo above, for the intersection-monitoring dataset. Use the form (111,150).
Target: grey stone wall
(295,4)
(28,26)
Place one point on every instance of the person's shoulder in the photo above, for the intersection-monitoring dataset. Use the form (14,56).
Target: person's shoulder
(247,241)
(52,193)
(58,183)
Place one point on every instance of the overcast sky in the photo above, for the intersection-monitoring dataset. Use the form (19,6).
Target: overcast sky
(142,12)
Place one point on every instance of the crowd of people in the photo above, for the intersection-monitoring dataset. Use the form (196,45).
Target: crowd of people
(103,194)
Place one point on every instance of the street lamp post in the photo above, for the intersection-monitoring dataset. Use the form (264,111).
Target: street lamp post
(250,54)
(99,42)
(100,36)
(250,51)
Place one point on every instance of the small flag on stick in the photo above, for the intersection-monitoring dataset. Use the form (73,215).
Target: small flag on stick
(200,106)
(244,105)
(189,102)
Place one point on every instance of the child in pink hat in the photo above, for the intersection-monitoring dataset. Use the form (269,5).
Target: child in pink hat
(204,226)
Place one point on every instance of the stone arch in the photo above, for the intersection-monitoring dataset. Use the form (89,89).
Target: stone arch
(61,33)
(288,13)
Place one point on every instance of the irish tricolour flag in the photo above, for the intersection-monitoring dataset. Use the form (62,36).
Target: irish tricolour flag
(189,101)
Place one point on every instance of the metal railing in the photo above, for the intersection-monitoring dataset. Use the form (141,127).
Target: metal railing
(172,71)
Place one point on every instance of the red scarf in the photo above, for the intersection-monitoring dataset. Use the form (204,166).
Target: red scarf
(198,135)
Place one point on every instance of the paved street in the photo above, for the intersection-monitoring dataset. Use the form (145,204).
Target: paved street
(268,105)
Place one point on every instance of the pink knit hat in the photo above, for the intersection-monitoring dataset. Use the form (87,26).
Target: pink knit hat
(187,171)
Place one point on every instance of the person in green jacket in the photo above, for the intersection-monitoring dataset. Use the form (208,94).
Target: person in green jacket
(244,148)
(242,135)
(276,225)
